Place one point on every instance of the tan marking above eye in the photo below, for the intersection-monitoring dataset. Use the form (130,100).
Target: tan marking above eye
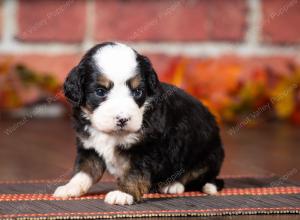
(104,82)
(135,81)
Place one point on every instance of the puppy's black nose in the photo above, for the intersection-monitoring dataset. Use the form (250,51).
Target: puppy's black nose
(121,122)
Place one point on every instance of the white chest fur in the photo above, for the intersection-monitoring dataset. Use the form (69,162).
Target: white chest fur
(105,146)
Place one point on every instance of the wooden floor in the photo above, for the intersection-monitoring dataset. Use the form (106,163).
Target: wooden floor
(44,149)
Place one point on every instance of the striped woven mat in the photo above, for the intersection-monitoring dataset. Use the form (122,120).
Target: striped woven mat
(241,196)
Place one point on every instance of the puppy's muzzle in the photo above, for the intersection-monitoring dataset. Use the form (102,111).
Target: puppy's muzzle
(122,121)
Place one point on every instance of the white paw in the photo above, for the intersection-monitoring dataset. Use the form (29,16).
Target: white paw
(77,186)
(118,198)
(68,190)
(210,189)
(173,188)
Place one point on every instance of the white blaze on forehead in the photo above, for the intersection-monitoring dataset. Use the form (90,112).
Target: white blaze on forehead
(117,62)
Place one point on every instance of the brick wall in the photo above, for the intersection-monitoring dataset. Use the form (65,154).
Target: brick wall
(50,35)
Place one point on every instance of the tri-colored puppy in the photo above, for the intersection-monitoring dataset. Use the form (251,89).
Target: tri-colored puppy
(148,134)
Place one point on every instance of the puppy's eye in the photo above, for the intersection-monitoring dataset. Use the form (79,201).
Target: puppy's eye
(137,93)
(101,92)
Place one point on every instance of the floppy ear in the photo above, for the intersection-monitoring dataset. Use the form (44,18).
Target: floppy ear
(150,74)
(73,86)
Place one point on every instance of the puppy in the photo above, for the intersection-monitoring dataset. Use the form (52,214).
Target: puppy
(150,135)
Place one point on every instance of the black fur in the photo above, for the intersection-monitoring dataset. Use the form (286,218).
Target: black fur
(179,134)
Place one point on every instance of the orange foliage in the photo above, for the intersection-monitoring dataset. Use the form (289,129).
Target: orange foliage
(20,85)
(224,88)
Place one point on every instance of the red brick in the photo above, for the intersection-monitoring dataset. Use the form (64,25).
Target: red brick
(47,20)
(1,18)
(161,63)
(281,21)
(58,65)
(169,20)
(150,20)
(227,19)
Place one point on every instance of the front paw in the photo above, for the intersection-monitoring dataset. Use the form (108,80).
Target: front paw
(118,198)
(68,190)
